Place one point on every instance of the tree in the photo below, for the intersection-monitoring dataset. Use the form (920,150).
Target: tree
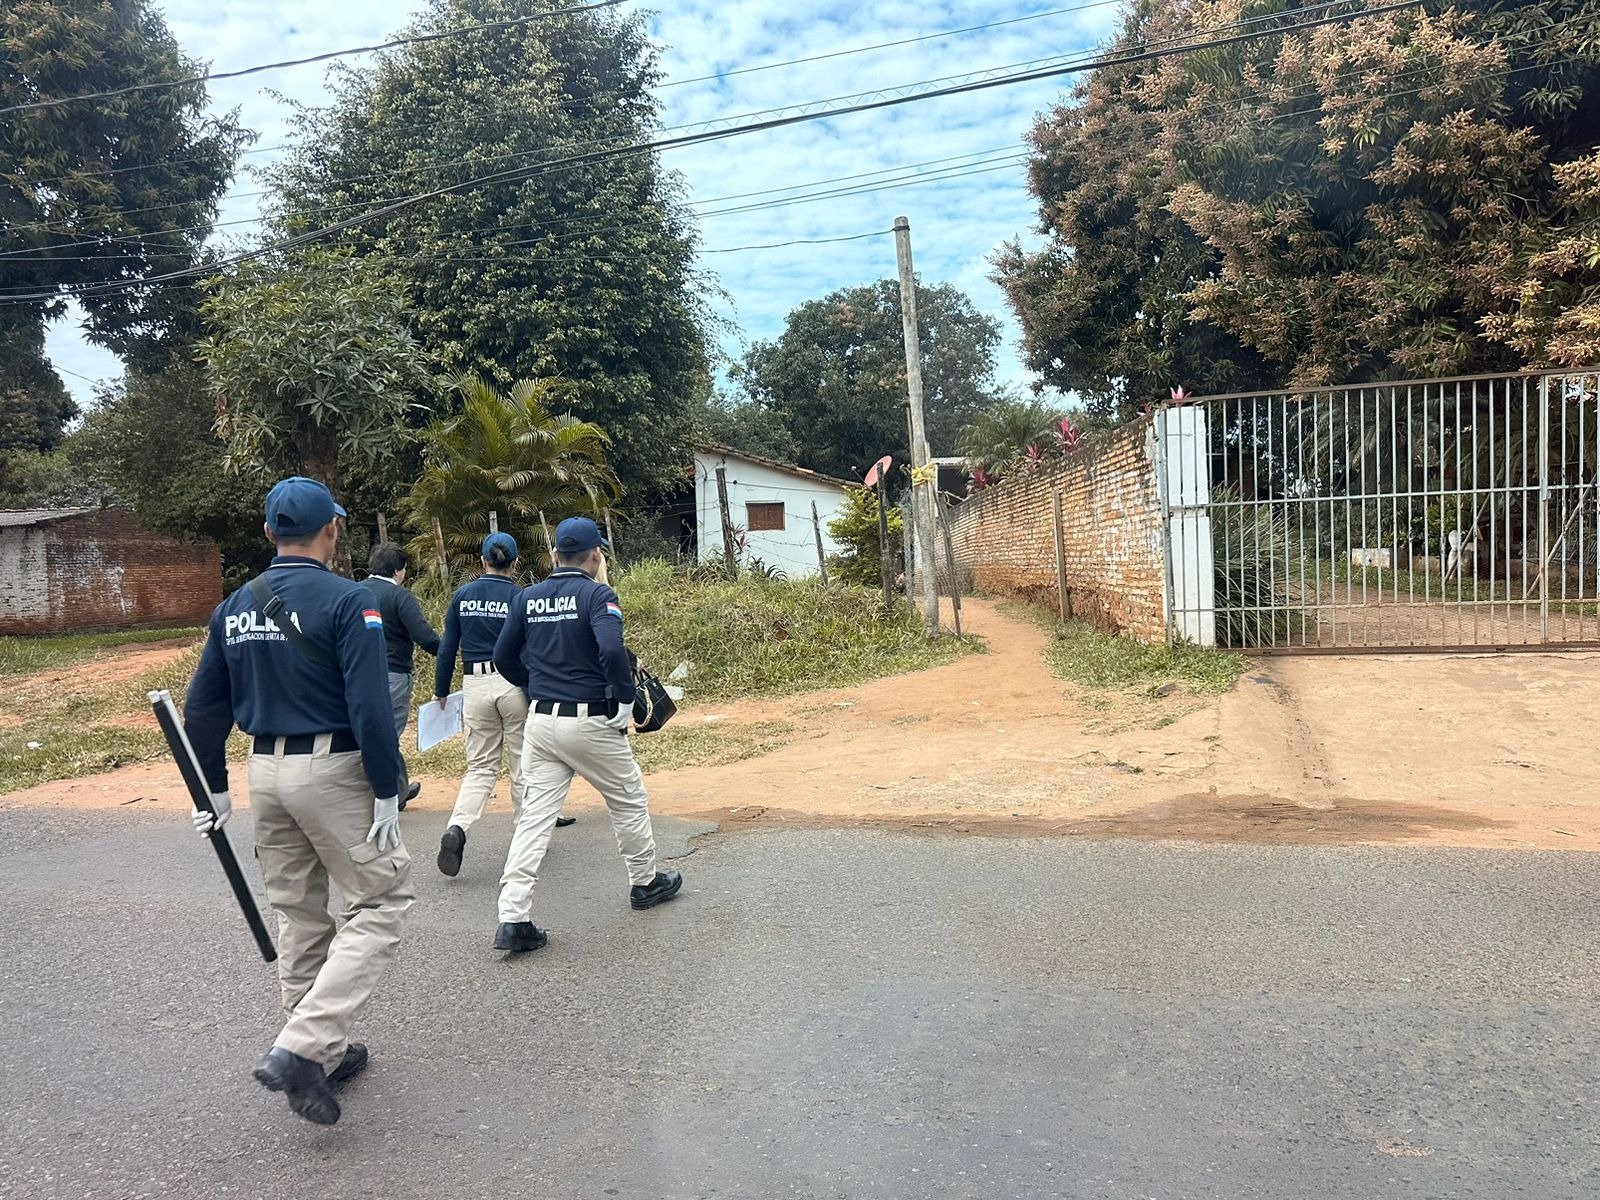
(114,189)
(1399,195)
(582,271)
(313,367)
(149,444)
(836,374)
(746,426)
(1103,304)
(1002,433)
(856,529)
(512,454)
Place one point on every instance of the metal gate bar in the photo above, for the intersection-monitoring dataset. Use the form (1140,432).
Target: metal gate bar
(1418,515)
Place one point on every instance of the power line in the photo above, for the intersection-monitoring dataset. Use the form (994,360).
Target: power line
(315,58)
(771,66)
(1059,60)
(521,174)
(1091,58)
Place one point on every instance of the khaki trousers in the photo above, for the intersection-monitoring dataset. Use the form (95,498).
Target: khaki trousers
(312,815)
(493,712)
(554,749)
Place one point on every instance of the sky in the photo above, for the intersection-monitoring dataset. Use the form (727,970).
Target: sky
(965,149)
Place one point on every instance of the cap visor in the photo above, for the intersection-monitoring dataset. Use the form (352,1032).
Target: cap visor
(338,510)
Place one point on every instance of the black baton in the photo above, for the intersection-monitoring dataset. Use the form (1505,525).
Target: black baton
(200,793)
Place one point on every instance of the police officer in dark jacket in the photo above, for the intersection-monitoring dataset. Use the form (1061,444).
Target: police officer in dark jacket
(324,775)
(493,709)
(562,644)
(405,627)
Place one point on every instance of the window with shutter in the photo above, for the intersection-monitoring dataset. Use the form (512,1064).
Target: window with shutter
(763,517)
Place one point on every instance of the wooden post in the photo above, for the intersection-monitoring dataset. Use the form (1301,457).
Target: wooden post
(905,551)
(1063,599)
(383,528)
(494,521)
(550,547)
(730,560)
(885,555)
(822,559)
(950,561)
(612,538)
(438,549)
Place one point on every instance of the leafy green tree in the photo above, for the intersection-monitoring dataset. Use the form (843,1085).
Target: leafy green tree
(1396,195)
(856,529)
(314,369)
(747,426)
(513,454)
(149,444)
(836,374)
(998,436)
(116,189)
(582,270)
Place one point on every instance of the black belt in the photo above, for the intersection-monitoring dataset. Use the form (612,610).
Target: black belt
(304,743)
(483,668)
(575,708)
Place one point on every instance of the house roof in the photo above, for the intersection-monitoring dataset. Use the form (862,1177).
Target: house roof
(774,464)
(40,516)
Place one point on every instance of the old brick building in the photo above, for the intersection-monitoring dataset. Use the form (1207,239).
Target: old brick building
(67,569)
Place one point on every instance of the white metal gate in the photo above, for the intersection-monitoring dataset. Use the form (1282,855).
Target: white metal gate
(1429,515)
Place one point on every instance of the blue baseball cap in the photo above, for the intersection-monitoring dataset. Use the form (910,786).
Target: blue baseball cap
(577,534)
(503,541)
(298,507)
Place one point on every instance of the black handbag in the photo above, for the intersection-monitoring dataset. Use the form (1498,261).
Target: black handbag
(652,707)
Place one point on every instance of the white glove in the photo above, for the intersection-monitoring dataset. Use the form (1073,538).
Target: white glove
(385,831)
(621,718)
(207,823)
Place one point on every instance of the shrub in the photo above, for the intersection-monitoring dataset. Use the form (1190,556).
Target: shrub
(856,528)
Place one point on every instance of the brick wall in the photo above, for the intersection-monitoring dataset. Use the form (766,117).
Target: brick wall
(1004,536)
(103,571)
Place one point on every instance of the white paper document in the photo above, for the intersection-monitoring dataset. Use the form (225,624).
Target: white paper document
(435,724)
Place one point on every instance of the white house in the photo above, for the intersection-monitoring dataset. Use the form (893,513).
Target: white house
(769,503)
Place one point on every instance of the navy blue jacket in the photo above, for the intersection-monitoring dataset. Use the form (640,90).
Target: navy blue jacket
(250,674)
(472,624)
(405,627)
(563,641)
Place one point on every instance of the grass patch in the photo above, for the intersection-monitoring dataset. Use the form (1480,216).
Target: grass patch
(21,656)
(1082,654)
(757,637)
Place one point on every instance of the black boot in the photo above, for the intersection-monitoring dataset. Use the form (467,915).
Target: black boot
(310,1094)
(412,793)
(519,937)
(563,822)
(658,891)
(451,846)
(352,1064)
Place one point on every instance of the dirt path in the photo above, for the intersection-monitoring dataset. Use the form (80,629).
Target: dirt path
(1487,751)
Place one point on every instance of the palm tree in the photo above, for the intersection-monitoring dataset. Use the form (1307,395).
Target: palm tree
(1000,435)
(512,454)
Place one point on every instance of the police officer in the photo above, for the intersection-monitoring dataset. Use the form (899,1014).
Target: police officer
(562,644)
(405,627)
(493,708)
(296,658)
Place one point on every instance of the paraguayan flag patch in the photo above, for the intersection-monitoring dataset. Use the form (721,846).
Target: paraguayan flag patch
(373,617)
(614,609)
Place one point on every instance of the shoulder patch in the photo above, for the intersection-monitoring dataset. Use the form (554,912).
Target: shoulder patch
(373,618)
(614,609)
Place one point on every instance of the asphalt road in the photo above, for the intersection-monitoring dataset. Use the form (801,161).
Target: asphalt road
(825,1014)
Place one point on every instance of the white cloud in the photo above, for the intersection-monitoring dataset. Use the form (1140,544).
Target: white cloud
(957,222)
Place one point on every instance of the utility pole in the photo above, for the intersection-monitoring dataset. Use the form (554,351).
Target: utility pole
(729,559)
(885,557)
(922,486)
